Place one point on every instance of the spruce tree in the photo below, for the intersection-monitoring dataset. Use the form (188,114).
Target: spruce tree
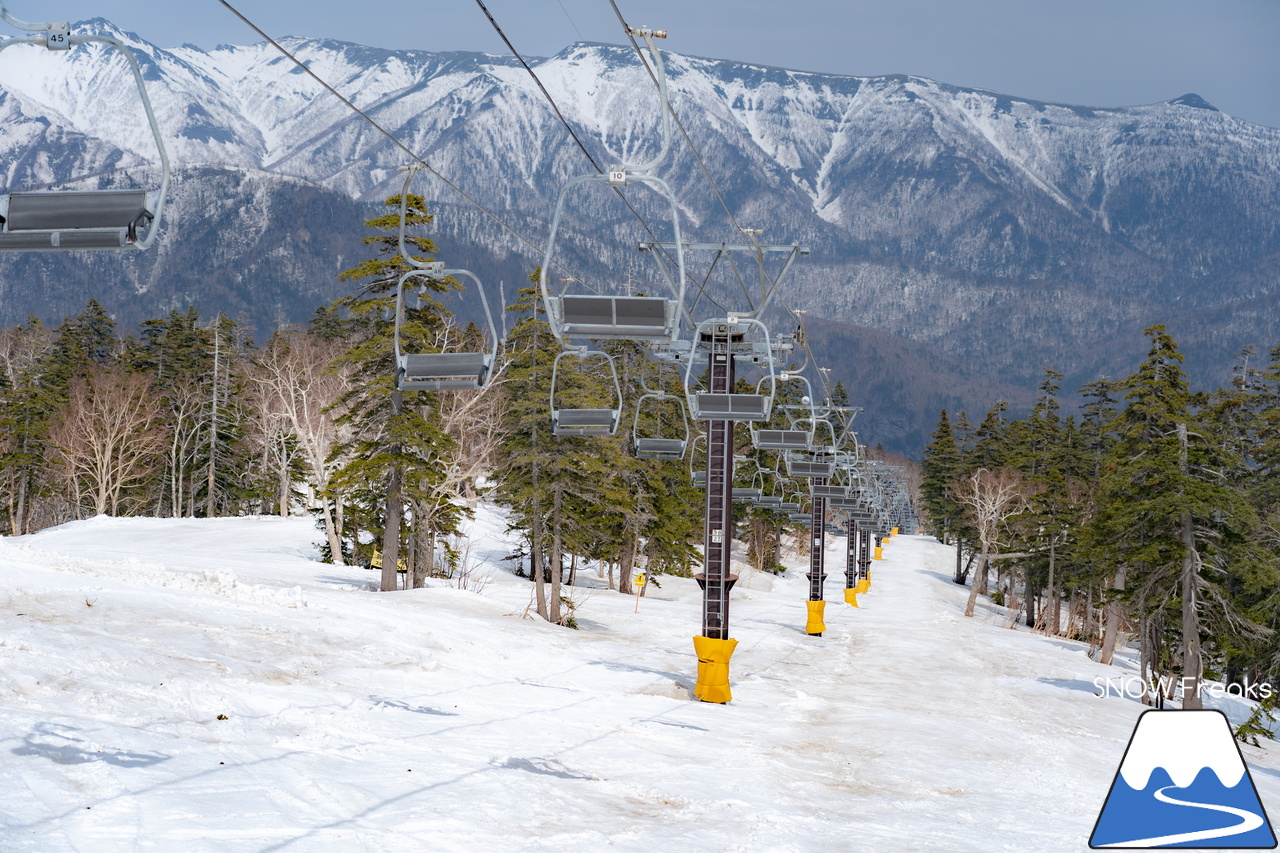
(392,464)
(1163,513)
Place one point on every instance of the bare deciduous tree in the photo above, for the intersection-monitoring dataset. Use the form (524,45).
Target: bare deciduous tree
(990,499)
(297,387)
(112,437)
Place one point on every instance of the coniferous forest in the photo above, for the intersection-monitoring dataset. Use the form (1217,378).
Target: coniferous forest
(1151,514)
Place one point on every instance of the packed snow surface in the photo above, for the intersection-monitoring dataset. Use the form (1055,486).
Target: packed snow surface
(208,685)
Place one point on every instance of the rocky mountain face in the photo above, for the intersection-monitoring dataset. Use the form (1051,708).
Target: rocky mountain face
(961,241)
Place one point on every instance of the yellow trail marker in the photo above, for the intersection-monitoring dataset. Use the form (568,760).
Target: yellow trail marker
(638,583)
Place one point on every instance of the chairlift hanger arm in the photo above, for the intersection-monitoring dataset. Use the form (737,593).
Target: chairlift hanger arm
(55,36)
(664,103)
(23,25)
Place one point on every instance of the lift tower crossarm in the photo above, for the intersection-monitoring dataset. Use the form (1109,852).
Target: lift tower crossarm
(795,250)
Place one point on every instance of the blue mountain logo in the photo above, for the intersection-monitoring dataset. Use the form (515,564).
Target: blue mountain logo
(1183,783)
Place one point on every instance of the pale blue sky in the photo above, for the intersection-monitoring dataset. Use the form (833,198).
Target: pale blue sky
(1092,52)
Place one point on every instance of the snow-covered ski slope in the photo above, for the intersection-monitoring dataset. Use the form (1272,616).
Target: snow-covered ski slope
(443,720)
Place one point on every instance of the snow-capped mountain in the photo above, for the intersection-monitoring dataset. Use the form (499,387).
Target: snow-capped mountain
(999,234)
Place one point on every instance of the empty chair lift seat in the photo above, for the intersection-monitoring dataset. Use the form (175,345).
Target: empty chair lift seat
(782,439)
(584,421)
(731,407)
(659,448)
(828,491)
(614,316)
(443,371)
(807,468)
(102,219)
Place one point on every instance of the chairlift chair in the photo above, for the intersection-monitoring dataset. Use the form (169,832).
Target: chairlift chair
(829,491)
(657,447)
(438,371)
(598,316)
(791,438)
(441,371)
(709,406)
(810,465)
(584,421)
(53,220)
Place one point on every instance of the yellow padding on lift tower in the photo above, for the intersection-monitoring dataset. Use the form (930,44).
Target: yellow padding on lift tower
(863,585)
(879,553)
(713,669)
(851,596)
(814,624)
(893,532)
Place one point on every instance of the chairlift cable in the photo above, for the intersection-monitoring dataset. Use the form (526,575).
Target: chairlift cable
(541,87)
(394,141)
(688,141)
(555,107)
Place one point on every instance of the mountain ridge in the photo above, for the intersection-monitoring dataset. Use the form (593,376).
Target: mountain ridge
(1005,233)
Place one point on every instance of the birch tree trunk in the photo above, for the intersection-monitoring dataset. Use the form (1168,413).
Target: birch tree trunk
(557,555)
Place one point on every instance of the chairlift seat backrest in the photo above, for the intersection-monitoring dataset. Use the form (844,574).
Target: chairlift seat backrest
(789,506)
(584,421)
(805,468)
(81,219)
(799,517)
(745,494)
(626,317)
(700,479)
(782,439)
(660,448)
(443,371)
(827,491)
(731,407)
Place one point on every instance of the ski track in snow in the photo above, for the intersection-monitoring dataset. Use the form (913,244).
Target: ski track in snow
(441,720)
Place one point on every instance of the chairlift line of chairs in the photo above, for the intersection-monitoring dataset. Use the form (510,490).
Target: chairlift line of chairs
(62,220)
